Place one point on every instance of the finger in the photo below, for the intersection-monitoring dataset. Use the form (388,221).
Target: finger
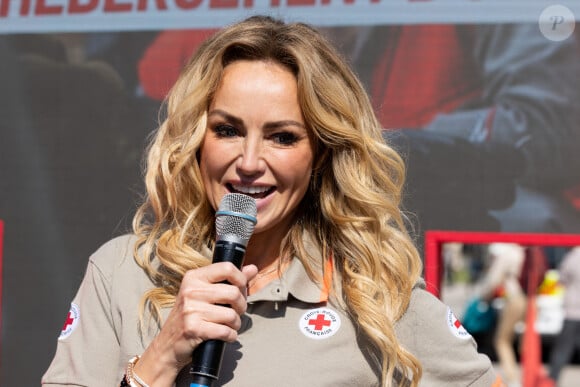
(208,321)
(208,330)
(218,272)
(226,294)
(250,271)
(195,290)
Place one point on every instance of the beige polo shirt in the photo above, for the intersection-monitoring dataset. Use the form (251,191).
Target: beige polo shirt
(291,335)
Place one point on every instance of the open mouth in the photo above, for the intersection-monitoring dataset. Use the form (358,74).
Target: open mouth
(257,192)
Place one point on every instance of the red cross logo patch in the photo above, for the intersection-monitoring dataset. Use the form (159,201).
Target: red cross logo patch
(320,323)
(70,322)
(455,325)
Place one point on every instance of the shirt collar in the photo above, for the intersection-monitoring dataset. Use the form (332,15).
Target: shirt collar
(295,282)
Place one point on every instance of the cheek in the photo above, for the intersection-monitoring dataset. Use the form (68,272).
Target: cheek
(203,165)
(210,166)
(301,171)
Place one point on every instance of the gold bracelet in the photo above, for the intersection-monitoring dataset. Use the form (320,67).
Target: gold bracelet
(133,379)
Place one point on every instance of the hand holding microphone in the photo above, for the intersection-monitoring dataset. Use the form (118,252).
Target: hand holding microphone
(235,221)
(207,312)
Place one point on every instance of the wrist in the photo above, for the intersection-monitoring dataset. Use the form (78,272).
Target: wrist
(131,378)
(155,368)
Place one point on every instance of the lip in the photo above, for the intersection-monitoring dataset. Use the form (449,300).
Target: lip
(257,191)
(250,189)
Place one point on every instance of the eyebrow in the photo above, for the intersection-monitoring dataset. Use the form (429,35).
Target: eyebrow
(269,125)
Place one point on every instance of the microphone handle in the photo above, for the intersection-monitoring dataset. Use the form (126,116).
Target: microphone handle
(207,357)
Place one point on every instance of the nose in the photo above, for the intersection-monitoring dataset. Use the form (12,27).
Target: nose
(251,162)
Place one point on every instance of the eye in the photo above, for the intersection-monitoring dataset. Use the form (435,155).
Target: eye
(284,138)
(225,130)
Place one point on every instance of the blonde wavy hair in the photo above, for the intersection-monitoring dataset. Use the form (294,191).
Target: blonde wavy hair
(351,212)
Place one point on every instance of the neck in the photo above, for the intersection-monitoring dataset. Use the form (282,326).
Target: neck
(267,274)
(263,249)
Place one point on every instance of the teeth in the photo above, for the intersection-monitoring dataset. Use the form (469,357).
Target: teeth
(250,189)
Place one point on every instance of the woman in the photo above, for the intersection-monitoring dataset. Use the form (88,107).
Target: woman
(507,260)
(331,291)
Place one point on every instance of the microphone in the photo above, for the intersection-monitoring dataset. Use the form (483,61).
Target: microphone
(235,221)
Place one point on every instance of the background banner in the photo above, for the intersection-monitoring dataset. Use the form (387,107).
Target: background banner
(121,15)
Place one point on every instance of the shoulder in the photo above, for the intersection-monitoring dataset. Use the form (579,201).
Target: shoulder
(114,272)
(426,311)
(447,352)
(114,254)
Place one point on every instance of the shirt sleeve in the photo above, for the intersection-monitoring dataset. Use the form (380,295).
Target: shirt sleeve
(87,352)
(446,351)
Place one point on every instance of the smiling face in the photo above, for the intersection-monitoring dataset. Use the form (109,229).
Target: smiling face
(257,143)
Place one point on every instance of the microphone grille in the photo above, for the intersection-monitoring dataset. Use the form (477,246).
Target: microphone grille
(236,218)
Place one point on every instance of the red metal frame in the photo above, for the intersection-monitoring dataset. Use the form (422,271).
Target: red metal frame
(435,238)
